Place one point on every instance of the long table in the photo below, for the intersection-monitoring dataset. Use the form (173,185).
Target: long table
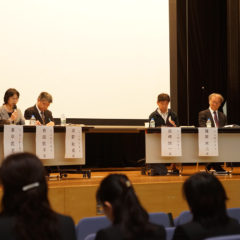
(29,145)
(102,141)
(228,145)
(128,144)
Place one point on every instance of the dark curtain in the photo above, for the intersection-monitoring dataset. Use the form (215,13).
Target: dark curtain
(202,55)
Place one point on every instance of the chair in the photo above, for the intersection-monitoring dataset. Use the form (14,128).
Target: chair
(184,217)
(227,237)
(169,232)
(90,236)
(161,218)
(234,213)
(90,225)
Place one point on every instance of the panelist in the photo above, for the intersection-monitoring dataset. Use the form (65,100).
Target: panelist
(163,116)
(9,113)
(217,118)
(40,110)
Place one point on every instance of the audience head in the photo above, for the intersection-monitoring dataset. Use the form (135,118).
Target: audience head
(22,176)
(206,198)
(120,203)
(44,100)
(17,174)
(11,96)
(163,101)
(215,100)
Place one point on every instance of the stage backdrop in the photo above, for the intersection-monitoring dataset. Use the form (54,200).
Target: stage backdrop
(98,58)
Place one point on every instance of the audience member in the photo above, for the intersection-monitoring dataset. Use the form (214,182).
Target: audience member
(25,212)
(9,113)
(206,198)
(121,205)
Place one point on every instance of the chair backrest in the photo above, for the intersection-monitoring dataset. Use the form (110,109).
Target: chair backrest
(161,219)
(234,213)
(227,237)
(169,232)
(90,225)
(184,217)
(90,236)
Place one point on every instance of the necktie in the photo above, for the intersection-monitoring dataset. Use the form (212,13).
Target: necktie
(216,119)
(43,117)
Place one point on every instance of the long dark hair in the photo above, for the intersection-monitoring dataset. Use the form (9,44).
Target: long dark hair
(127,210)
(29,205)
(206,198)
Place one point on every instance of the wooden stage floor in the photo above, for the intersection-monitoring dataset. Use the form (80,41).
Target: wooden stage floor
(75,195)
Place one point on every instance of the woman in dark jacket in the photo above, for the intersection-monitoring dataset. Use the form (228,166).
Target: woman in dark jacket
(121,205)
(25,212)
(206,198)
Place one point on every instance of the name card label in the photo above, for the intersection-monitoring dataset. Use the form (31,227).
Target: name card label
(171,141)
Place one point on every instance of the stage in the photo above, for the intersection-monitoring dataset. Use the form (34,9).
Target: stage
(75,195)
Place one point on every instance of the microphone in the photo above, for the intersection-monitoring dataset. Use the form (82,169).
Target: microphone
(14,107)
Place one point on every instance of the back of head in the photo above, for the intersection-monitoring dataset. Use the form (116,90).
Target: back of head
(17,171)
(127,210)
(206,198)
(25,195)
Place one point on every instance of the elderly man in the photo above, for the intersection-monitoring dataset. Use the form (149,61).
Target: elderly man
(217,118)
(40,110)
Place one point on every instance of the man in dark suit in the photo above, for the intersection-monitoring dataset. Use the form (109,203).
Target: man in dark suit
(40,110)
(163,116)
(217,118)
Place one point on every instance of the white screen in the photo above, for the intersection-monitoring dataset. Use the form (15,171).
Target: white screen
(98,58)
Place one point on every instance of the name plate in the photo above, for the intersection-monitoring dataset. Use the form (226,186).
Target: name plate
(73,142)
(45,142)
(13,139)
(171,142)
(208,141)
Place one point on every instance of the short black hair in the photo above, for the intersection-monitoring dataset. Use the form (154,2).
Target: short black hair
(45,96)
(206,198)
(163,97)
(9,93)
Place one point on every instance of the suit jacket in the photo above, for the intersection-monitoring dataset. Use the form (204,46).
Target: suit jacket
(65,225)
(204,115)
(34,111)
(115,232)
(195,231)
(4,116)
(159,121)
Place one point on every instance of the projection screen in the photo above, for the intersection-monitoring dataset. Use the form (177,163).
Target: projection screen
(98,58)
